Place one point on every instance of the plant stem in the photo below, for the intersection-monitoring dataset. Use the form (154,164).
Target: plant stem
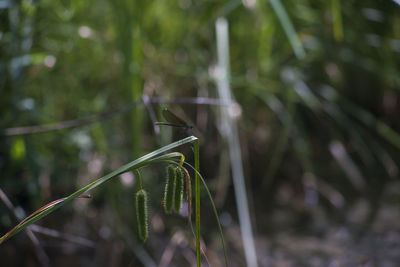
(197,199)
(139,177)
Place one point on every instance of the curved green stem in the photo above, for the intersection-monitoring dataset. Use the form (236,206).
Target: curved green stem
(139,177)
(136,164)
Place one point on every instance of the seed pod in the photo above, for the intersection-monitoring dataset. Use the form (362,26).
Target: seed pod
(169,189)
(188,192)
(178,190)
(141,213)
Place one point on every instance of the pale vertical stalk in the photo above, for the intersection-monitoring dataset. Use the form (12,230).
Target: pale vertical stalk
(230,131)
(287,25)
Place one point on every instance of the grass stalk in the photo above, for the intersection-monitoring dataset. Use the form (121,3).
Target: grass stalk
(149,158)
(230,132)
(290,32)
(197,198)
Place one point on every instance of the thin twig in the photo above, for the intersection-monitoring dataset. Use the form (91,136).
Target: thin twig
(152,115)
(65,124)
(107,115)
(40,210)
(40,253)
(71,238)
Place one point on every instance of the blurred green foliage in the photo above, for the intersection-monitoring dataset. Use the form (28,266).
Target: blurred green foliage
(326,124)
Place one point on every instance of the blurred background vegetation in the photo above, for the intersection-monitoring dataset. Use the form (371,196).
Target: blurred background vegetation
(317,83)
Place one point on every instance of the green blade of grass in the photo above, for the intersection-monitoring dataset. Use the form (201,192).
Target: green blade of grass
(337,20)
(140,162)
(289,29)
(365,117)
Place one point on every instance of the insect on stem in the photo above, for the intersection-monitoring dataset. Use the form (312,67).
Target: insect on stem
(173,120)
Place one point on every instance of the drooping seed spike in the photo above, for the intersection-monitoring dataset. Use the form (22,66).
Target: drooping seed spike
(142,215)
(169,189)
(188,192)
(178,190)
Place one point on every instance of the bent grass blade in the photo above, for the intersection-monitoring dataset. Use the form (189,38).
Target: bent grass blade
(157,155)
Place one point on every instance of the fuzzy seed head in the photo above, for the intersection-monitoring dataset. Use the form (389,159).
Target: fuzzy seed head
(188,192)
(169,189)
(142,214)
(178,190)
